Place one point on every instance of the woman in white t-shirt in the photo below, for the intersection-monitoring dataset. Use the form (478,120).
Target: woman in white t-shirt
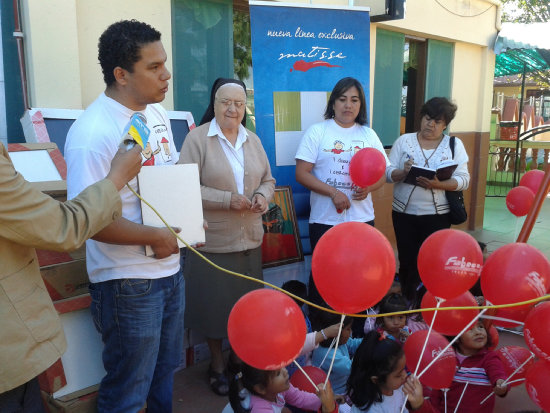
(322,163)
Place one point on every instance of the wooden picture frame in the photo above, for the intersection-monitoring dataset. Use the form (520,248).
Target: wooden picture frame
(281,244)
(52,184)
(52,125)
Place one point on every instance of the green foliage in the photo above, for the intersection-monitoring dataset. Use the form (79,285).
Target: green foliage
(242,52)
(541,78)
(526,11)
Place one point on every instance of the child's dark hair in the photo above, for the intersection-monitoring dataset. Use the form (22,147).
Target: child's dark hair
(486,326)
(297,288)
(374,357)
(391,303)
(243,375)
(476,289)
(324,319)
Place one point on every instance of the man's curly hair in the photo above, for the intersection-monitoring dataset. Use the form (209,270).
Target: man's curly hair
(120,45)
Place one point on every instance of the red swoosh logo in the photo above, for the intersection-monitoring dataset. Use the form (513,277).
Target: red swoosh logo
(304,66)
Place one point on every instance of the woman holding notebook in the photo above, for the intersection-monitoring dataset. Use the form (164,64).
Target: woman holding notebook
(420,206)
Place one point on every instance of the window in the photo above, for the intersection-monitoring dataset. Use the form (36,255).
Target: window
(407,72)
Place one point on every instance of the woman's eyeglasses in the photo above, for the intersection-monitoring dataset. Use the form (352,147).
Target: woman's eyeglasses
(228,102)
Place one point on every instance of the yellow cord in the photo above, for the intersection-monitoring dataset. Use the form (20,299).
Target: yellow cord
(329,310)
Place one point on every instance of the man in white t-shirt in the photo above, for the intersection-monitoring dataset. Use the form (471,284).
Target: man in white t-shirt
(137,301)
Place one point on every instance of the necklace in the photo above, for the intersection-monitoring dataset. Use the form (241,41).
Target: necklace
(426,159)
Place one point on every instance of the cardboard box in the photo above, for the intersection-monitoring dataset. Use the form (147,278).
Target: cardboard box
(196,348)
(65,280)
(47,173)
(75,303)
(53,378)
(83,401)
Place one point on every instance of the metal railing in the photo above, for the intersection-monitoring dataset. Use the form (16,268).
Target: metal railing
(505,167)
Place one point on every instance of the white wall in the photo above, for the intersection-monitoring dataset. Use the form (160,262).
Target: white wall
(94,16)
(472,87)
(61,39)
(470,21)
(61,44)
(51,48)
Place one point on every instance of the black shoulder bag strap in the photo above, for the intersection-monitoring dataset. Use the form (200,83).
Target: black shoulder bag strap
(452,144)
(458,213)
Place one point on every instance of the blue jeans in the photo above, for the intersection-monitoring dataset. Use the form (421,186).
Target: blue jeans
(141,324)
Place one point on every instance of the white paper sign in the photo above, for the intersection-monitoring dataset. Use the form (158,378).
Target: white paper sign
(174,191)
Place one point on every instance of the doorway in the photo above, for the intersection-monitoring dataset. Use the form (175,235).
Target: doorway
(414,83)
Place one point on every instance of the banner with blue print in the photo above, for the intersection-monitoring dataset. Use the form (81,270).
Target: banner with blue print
(299,52)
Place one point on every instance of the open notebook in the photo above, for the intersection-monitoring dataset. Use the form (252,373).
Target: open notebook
(443,173)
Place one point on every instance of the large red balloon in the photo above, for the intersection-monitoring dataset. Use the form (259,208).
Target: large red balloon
(367,167)
(353,266)
(512,357)
(513,273)
(450,322)
(440,374)
(266,329)
(536,383)
(492,333)
(519,200)
(449,262)
(536,331)
(300,381)
(532,180)
(511,313)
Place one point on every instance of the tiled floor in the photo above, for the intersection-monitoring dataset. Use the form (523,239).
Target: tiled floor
(191,391)
(500,227)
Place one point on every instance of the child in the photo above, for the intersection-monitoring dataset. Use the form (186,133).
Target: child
(476,289)
(394,325)
(378,381)
(270,390)
(299,289)
(370,322)
(480,368)
(322,356)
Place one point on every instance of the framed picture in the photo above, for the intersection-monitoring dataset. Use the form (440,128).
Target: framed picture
(42,165)
(281,244)
(52,125)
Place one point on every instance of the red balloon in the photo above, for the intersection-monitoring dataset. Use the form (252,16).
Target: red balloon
(367,167)
(449,262)
(353,266)
(512,357)
(440,374)
(513,273)
(450,322)
(536,331)
(266,329)
(512,313)
(536,383)
(519,200)
(532,180)
(492,333)
(300,381)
